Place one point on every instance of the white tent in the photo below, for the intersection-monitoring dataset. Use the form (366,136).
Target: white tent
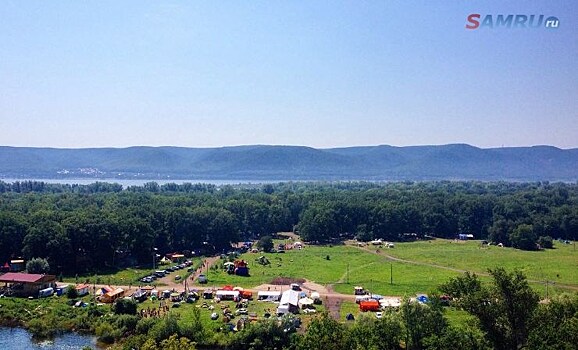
(315,295)
(290,297)
(305,301)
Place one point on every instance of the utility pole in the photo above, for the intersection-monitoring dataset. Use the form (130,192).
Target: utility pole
(348,273)
(391,273)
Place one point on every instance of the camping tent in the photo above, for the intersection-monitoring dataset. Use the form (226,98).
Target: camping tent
(289,300)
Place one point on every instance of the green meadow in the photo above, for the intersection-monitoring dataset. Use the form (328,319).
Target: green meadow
(558,265)
(429,263)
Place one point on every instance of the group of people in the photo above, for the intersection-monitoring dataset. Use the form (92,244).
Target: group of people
(162,310)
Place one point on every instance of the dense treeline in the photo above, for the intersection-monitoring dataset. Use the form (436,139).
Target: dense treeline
(83,227)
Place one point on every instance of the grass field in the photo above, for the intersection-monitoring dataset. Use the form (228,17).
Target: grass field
(347,266)
(559,265)
(310,263)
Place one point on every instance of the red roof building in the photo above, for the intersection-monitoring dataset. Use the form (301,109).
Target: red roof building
(27,284)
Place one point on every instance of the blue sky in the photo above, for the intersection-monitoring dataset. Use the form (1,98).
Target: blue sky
(314,73)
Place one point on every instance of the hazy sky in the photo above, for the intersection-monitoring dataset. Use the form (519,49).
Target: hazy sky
(314,73)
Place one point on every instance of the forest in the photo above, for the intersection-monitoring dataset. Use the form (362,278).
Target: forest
(87,228)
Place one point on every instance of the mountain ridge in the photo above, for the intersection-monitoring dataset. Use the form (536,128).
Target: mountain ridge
(278,162)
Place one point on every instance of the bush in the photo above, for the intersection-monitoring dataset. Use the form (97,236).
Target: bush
(125,307)
(546,242)
(144,325)
(106,333)
(164,329)
(95,311)
(72,293)
(126,323)
(40,328)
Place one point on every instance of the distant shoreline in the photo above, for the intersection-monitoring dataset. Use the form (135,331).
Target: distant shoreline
(139,182)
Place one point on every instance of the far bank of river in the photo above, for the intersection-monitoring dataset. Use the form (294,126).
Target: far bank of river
(20,339)
(139,182)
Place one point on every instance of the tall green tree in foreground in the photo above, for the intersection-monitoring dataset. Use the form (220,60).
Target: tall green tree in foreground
(555,325)
(504,310)
(324,333)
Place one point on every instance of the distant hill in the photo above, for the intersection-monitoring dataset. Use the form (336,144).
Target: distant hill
(260,162)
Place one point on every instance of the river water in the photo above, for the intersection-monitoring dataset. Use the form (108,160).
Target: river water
(20,339)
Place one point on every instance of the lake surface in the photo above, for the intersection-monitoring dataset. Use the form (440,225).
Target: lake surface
(20,339)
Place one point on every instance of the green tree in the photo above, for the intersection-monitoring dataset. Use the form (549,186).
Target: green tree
(12,232)
(265,335)
(125,307)
(462,286)
(555,324)
(266,243)
(175,343)
(37,265)
(324,333)
(463,337)
(368,332)
(546,242)
(504,309)
(194,329)
(523,237)
(71,292)
(363,234)
(164,329)
(318,223)
(421,321)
